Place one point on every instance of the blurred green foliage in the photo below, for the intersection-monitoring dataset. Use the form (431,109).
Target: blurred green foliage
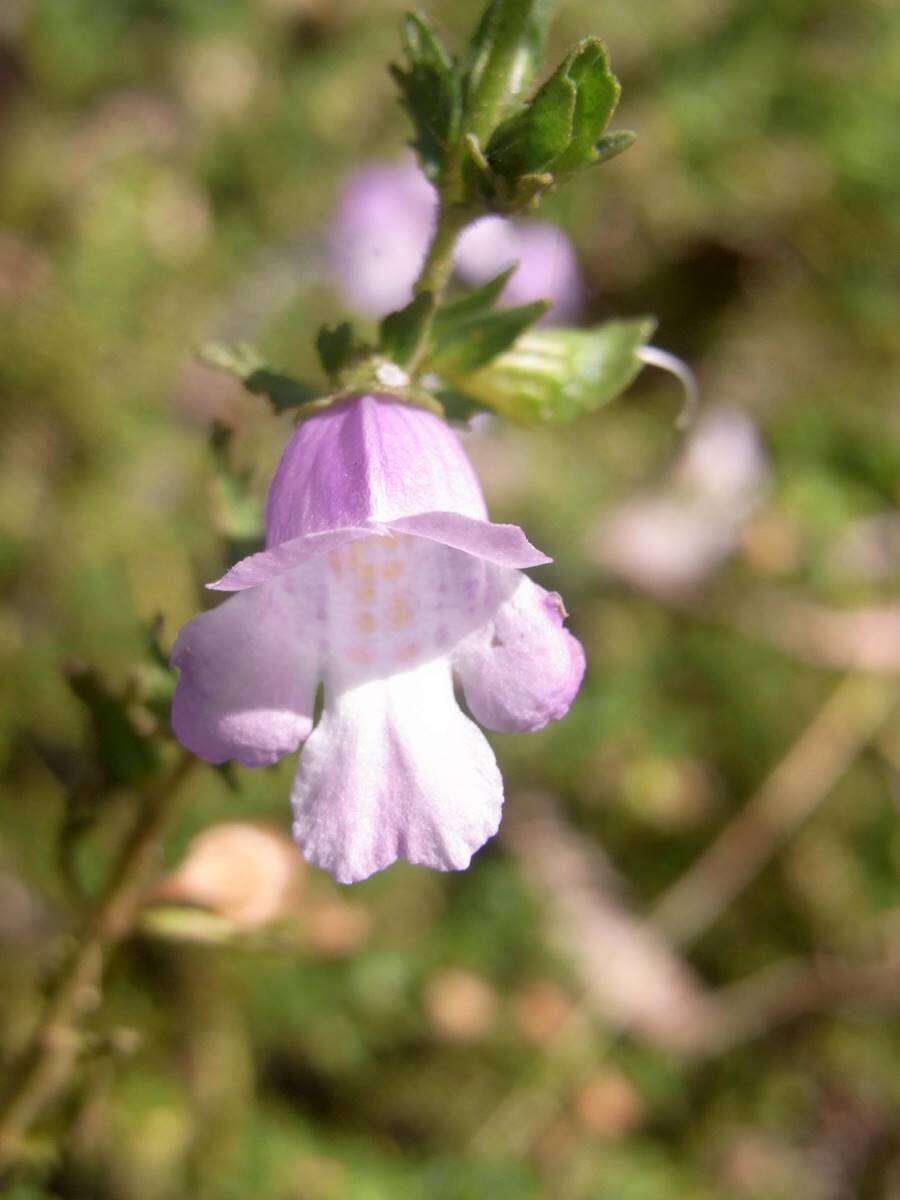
(167,174)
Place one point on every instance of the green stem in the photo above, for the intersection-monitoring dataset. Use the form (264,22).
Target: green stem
(438,265)
(53,1051)
(511,35)
(436,270)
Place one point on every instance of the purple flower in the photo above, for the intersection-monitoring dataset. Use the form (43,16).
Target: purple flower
(380,235)
(384,581)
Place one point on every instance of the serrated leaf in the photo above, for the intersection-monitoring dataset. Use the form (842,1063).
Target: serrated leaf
(181,923)
(431,91)
(457,406)
(471,307)
(473,344)
(284,392)
(536,137)
(125,755)
(559,130)
(339,349)
(334,345)
(239,359)
(598,93)
(246,364)
(401,331)
(559,374)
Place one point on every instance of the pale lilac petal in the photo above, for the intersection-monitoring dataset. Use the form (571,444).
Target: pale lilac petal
(257,569)
(505,545)
(247,680)
(523,669)
(394,602)
(395,770)
(369,459)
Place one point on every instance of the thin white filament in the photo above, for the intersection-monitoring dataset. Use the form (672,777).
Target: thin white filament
(654,357)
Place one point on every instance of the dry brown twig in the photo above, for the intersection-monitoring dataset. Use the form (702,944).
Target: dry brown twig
(632,976)
(852,716)
(53,1050)
(862,639)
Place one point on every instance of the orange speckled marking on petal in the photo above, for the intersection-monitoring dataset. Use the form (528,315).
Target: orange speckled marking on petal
(361,655)
(400,613)
(366,623)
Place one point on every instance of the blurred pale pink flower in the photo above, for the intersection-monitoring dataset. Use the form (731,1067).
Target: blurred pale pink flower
(246,872)
(670,540)
(384,580)
(548,268)
(380,235)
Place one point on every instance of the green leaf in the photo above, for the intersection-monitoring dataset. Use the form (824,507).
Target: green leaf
(457,406)
(536,137)
(431,91)
(559,374)
(125,754)
(505,55)
(559,130)
(614,143)
(471,345)
(283,392)
(401,331)
(246,364)
(471,307)
(340,350)
(597,91)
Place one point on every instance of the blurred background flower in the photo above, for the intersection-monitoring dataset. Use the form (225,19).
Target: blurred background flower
(672,539)
(380,234)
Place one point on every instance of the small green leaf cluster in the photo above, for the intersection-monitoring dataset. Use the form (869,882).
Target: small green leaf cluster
(487,147)
(560,131)
(509,158)
(478,357)
(128,730)
(431,89)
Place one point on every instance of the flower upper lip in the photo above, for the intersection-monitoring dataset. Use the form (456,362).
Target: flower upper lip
(373,466)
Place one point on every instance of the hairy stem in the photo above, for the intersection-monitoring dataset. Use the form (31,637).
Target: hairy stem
(50,1057)
(512,32)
